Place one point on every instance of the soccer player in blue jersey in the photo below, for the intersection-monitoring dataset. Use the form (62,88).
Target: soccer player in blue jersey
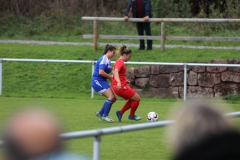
(99,82)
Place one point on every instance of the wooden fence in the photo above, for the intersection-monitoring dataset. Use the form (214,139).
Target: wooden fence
(162,37)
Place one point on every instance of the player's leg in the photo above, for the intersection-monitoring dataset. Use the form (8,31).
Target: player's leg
(98,88)
(134,105)
(135,97)
(126,107)
(109,94)
(133,101)
(123,92)
(103,88)
(111,98)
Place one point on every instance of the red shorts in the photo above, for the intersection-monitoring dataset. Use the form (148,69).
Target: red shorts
(125,92)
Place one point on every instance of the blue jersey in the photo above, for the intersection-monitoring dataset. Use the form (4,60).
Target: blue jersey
(103,63)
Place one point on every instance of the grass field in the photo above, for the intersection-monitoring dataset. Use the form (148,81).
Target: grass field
(70,80)
(64,88)
(78,115)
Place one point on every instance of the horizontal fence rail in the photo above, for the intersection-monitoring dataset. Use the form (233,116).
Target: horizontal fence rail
(122,37)
(94,62)
(177,38)
(97,133)
(208,20)
(118,129)
(163,36)
(186,38)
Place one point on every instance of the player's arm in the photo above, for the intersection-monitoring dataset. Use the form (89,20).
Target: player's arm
(116,76)
(104,74)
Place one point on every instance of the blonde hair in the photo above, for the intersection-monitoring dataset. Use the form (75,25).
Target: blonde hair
(124,50)
(196,121)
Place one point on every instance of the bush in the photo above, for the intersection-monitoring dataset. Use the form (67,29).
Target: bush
(232,97)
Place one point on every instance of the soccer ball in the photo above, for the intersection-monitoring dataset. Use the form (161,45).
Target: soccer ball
(152,117)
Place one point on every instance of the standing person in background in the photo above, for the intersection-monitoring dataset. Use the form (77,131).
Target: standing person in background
(121,87)
(99,82)
(141,9)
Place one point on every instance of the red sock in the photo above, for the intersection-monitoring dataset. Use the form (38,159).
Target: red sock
(134,106)
(126,107)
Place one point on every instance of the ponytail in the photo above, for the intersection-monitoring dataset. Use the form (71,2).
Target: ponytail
(124,50)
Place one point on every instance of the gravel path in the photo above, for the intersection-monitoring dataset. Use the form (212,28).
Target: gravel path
(115,44)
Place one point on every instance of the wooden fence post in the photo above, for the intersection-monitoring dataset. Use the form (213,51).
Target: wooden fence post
(95,36)
(162,36)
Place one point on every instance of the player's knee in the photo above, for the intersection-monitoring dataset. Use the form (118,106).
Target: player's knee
(136,97)
(112,98)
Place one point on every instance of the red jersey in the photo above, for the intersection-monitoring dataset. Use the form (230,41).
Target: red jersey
(119,64)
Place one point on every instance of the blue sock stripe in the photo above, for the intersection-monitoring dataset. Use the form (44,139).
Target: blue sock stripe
(109,101)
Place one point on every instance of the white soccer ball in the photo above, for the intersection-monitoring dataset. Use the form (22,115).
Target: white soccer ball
(152,117)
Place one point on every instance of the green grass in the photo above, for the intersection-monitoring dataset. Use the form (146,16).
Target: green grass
(78,115)
(64,88)
(72,28)
(71,80)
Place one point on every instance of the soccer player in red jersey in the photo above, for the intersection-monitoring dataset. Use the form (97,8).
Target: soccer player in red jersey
(121,88)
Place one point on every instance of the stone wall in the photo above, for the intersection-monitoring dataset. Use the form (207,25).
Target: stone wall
(167,81)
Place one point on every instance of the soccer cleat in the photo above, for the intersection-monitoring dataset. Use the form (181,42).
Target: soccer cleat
(99,116)
(108,119)
(136,118)
(119,116)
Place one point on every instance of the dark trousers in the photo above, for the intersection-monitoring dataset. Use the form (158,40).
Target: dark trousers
(141,27)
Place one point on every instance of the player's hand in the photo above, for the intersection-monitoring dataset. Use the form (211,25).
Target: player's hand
(125,18)
(119,86)
(146,18)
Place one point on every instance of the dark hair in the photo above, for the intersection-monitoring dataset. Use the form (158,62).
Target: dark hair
(124,50)
(108,48)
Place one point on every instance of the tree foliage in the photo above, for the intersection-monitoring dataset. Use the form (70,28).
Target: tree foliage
(35,17)
(161,8)
(30,8)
